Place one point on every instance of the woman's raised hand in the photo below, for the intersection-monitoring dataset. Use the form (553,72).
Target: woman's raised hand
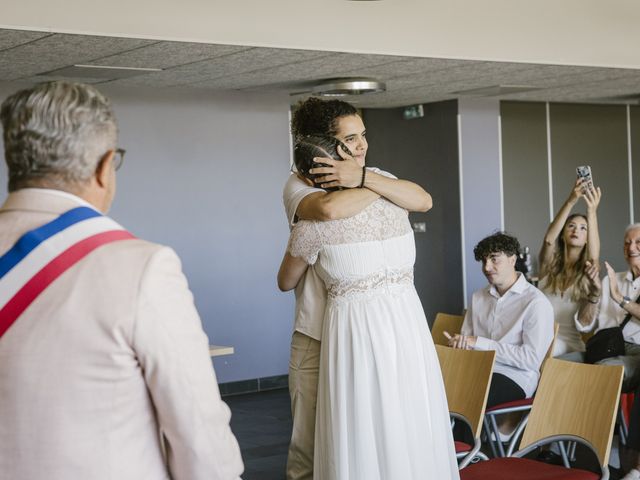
(577,191)
(614,290)
(592,197)
(592,270)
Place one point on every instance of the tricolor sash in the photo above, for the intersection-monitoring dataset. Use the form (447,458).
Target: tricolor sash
(42,255)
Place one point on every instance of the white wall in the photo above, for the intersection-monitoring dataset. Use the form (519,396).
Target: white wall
(203,173)
(568,32)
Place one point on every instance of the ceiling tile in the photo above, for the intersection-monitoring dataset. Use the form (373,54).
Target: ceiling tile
(293,76)
(26,56)
(13,38)
(60,50)
(167,55)
(195,74)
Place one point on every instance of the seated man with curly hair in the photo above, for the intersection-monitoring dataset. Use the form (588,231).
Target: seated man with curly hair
(510,316)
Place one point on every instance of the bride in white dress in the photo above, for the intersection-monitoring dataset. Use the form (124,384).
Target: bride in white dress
(382,411)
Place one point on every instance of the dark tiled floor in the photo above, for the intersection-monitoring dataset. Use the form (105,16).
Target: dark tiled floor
(262,424)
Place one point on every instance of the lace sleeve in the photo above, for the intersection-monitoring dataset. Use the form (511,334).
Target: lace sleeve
(305,242)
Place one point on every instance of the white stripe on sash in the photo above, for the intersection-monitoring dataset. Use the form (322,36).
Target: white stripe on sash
(38,258)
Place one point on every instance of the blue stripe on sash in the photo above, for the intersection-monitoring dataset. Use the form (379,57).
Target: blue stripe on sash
(30,240)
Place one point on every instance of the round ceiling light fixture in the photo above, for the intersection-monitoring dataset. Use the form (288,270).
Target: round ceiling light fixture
(340,87)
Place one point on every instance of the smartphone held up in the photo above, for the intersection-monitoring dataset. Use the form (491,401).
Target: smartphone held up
(584,174)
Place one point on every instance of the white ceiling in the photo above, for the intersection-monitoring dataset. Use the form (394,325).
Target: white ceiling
(27,56)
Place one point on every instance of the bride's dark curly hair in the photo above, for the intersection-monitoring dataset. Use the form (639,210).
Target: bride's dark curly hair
(318,117)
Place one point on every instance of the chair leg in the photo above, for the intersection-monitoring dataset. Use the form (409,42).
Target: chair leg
(623,429)
(563,453)
(494,426)
(481,456)
(517,434)
(487,429)
(572,451)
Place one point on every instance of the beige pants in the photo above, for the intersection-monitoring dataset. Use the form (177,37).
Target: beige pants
(303,389)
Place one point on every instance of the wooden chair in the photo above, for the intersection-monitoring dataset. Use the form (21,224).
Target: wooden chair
(467,375)
(575,402)
(445,322)
(524,405)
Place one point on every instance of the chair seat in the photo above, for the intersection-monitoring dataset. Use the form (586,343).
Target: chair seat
(516,403)
(462,447)
(510,468)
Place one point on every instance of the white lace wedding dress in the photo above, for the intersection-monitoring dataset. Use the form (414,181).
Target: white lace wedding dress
(382,411)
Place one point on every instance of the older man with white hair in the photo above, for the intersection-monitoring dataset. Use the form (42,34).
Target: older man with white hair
(104,367)
(619,304)
(620,292)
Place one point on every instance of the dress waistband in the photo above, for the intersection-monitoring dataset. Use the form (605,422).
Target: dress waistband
(371,283)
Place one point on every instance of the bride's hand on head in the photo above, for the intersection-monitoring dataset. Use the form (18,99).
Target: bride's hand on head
(338,173)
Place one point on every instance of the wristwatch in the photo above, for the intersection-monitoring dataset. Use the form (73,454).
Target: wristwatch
(624,301)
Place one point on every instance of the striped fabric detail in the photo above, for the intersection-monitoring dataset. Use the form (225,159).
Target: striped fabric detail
(42,255)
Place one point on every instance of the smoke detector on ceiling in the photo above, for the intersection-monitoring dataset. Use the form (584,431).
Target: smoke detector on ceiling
(340,87)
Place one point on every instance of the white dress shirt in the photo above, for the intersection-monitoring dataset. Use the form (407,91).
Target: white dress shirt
(517,325)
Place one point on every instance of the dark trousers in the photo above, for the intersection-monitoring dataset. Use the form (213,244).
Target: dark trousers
(634,423)
(631,383)
(503,390)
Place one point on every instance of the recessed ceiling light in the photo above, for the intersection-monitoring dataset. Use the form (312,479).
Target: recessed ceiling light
(340,87)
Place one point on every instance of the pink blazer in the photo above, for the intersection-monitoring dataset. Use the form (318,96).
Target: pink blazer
(107,375)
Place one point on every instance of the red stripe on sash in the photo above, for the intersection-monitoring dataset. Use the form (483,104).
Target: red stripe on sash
(56,267)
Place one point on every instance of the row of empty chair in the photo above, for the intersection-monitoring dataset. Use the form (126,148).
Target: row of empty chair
(564,409)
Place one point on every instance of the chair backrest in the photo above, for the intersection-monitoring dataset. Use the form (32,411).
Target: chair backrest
(576,399)
(467,376)
(445,322)
(549,353)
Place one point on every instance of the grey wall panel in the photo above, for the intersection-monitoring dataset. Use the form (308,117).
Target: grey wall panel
(204,174)
(635,156)
(425,150)
(594,135)
(525,172)
(480,151)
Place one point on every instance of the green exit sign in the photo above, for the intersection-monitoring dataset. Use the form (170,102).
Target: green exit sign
(414,111)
